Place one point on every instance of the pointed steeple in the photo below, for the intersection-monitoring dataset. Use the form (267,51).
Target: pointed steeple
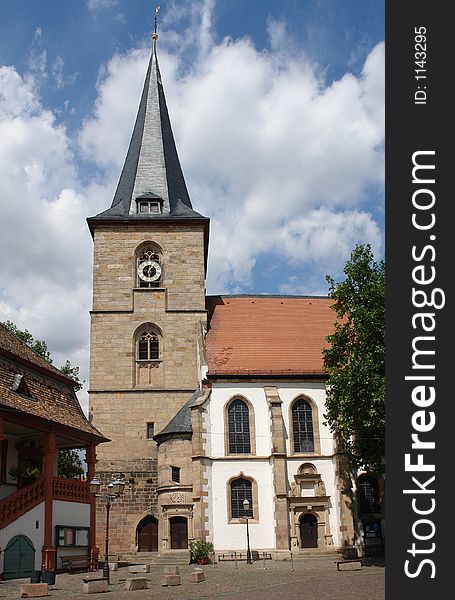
(152,168)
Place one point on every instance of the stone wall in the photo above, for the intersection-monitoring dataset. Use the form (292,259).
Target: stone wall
(125,393)
(138,500)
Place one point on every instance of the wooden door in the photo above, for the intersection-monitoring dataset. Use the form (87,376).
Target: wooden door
(179,533)
(148,535)
(308,532)
(19,558)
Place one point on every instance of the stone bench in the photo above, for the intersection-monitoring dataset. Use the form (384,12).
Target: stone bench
(348,565)
(94,585)
(34,590)
(139,569)
(197,575)
(136,583)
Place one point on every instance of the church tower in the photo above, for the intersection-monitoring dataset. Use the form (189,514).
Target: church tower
(150,257)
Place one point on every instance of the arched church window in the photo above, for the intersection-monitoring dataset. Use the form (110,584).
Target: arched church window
(302,425)
(239,428)
(241,489)
(148,346)
(149,268)
(369,495)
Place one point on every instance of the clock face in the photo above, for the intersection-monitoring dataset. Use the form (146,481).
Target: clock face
(149,270)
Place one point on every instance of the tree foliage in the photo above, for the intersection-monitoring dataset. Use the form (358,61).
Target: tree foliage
(355,360)
(40,347)
(69,464)
(72,372)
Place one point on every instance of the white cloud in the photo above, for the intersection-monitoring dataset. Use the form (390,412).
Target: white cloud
(45,244)
(57,72)
(278,160)
(96,5)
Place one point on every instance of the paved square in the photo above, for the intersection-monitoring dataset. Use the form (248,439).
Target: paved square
(311,579)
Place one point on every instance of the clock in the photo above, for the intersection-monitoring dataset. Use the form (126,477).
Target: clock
(149,270)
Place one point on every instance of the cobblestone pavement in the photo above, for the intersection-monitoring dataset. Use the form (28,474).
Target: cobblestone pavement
(305,579)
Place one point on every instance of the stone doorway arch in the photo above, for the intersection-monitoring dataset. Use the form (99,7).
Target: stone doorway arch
(178,528)
(308,525)
(147,534)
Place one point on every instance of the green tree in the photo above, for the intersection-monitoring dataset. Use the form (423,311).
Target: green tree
(355,360)
(69,464)
(72,372)
(38,346)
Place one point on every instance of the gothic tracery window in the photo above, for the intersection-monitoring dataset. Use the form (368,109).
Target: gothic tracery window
(241,489)
(369,495)
(148,346)
(239,428)
(302,424)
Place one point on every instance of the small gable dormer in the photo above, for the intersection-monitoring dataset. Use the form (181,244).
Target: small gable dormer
(20,385)
(149,204)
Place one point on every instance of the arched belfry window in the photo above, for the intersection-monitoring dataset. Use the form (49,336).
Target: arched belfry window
(369,495)
(302,426)
(148,345)
(149,267)
(241,489)
(239,427)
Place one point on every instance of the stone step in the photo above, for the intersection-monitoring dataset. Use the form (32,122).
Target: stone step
(316,553)
(173,558)
(138,556)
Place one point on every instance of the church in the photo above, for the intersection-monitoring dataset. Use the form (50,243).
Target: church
(208,401)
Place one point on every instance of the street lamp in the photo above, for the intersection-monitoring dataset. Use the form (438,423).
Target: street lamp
(114,490)
(246,508)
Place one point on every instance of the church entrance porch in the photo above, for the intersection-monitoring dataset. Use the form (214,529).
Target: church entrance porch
(147,535)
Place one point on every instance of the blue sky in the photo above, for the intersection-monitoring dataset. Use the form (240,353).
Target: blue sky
(277,110)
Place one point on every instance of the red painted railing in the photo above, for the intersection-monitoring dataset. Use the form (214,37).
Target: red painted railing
(14,506)
(71,490)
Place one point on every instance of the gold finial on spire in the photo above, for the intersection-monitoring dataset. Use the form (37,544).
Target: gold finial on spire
(154,34)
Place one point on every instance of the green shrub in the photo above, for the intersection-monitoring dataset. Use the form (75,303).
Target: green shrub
(200,549)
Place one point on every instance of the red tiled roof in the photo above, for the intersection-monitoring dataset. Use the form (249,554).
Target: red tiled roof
(52,395)
(268,335)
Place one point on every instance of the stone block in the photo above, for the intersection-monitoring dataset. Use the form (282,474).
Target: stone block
(136,583)
(352,565)
(197,576)
(171,570)
(94,586)
(139,568)
(34,590)
(170,579)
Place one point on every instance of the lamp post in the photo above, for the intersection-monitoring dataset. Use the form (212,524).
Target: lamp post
(246,508)
(114,490)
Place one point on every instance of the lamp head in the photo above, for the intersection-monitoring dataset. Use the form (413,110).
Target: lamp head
(95,486)
(118,486)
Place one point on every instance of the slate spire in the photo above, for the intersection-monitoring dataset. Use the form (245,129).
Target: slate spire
(152,168)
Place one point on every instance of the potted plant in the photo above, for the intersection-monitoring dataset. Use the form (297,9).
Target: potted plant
(25,474)
(200,551)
